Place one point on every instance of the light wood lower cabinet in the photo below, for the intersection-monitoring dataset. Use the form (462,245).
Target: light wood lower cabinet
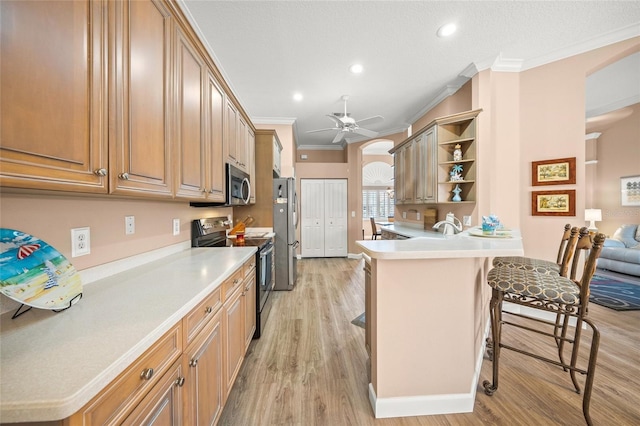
(184,377)
(204,393)
(117,401)
(233,324)
(163,404)
(249,296)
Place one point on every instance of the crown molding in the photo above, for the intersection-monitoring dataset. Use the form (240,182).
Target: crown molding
(447,91)
(597,42)
(502,64)
(613,106)
(273,120)
(332,147)
(594,135)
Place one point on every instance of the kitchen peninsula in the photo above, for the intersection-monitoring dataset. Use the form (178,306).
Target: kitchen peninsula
(427,319)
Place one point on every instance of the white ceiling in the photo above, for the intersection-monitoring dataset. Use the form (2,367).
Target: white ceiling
(267,50)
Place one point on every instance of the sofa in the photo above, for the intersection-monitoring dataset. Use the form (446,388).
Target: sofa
(621,252)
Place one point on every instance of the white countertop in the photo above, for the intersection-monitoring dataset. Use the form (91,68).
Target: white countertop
(411,231)
(441,246)
(52,364)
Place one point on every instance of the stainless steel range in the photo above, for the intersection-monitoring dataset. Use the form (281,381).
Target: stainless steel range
(211,232)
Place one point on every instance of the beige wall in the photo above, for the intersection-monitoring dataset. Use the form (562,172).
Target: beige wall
(552,125)
(288,155)
(322,156)
(458,102)
(618,155)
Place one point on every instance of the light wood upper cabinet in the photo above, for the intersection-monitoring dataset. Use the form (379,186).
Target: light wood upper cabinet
(425,166)
(424,161)
(140,98)
(53,105)
(190,142)
(231,133)
(251,157)
(215,135)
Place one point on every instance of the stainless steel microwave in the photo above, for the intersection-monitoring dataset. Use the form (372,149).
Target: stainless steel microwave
(238,188)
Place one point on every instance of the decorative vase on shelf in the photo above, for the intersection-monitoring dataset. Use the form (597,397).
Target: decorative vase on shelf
(456,191)
(457,153)
(456,173)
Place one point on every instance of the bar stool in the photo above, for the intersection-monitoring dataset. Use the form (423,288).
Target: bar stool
(564,296)
(540,265)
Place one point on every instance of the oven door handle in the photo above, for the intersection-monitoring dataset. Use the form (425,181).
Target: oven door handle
(266,252)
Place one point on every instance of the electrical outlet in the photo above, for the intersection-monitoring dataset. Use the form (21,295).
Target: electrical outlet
(80,242)
(129,225)
(404,215)
(418,216)
(466,220)
(176,226)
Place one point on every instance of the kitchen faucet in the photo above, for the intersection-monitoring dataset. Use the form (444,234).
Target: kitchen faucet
(450,227)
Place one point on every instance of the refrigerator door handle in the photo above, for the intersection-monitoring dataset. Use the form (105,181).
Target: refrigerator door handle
(296,244)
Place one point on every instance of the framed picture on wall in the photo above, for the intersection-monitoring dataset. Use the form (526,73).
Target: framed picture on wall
(561,171)
(630,191)
(553,203)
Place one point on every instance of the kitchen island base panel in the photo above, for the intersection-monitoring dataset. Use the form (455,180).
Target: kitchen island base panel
(429,322)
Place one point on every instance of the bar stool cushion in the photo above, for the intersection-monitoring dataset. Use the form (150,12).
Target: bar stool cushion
(527,264)
(547,287)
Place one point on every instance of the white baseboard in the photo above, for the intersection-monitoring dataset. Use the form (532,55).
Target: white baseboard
(424,405)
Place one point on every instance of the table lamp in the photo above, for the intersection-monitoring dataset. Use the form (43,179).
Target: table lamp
(593,215)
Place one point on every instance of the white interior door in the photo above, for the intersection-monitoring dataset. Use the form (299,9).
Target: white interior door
(335,218)
(312,217)
(323,217)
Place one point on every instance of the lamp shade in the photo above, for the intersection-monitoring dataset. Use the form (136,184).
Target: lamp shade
(593,214)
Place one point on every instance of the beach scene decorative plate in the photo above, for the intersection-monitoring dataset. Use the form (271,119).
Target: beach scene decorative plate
(36,274)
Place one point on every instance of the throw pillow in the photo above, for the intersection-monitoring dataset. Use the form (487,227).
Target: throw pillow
(626,234)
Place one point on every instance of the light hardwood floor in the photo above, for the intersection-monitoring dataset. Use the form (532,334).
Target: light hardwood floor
(309,367)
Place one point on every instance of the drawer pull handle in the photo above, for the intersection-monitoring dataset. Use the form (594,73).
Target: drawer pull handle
(236,281)
(124,176)
(146,374)
(101,172)
(180,381)
(193,362)
(208,310)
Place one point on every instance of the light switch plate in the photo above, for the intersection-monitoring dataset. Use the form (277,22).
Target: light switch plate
(466,220)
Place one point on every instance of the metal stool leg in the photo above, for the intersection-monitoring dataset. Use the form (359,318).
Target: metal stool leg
(495,307)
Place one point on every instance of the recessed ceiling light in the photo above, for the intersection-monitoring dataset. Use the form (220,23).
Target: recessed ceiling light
(297,97)
(356,68)
(447,29)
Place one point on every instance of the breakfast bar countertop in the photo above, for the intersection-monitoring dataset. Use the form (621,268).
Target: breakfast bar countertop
(439,246)
(52,364)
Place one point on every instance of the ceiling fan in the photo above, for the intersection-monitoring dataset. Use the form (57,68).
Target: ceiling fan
(345,124)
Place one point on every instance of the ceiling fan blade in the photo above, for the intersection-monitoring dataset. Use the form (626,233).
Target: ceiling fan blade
(370,120)
(322,130)
(365,132)
(338,137)
(336,119)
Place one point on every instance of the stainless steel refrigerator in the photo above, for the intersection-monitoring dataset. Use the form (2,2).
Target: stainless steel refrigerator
(285,222)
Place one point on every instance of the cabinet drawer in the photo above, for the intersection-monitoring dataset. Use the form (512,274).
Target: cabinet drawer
(195,320)
(249,266)
(118,399)
(232,283)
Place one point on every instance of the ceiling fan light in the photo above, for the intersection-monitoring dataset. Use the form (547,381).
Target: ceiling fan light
(447,29)
(356,68)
